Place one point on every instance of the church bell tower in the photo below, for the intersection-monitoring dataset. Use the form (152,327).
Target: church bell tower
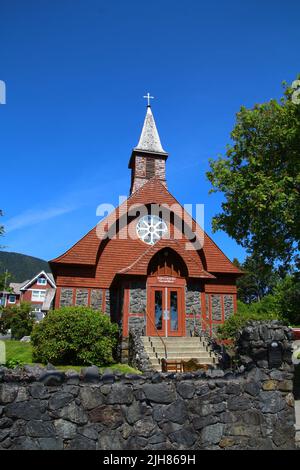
(148,158)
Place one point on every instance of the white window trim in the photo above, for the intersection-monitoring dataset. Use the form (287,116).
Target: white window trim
(39,283)
(38,298)
(12,295)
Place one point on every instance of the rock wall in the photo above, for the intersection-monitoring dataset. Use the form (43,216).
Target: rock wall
(154,411)
(249,408)
(137,297)
(138,357)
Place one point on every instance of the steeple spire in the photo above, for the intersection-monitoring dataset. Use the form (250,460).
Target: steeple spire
(149,139)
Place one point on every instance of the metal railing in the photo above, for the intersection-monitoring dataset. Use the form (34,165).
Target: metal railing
(164,344)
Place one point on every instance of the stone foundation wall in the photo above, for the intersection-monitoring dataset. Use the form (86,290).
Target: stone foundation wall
(154,411)
(137,356)
(251,407)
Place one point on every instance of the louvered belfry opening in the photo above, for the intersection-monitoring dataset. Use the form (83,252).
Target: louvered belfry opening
(150,167)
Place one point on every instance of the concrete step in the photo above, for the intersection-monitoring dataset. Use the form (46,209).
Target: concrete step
(173,339)
(188,347)
(180,354)
(178,349)
(184,357)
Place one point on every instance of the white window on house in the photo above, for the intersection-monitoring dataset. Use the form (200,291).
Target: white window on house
(42,281)
(38,295)
(12,299)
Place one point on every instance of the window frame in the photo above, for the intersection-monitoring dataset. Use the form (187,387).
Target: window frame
(40,297)
(15,298)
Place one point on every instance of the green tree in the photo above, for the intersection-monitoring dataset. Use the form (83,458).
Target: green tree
(260,179)
(287,299)
(17,318)
(4,281)
(259,279)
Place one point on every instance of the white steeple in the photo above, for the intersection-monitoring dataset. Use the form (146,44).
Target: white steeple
(149,140)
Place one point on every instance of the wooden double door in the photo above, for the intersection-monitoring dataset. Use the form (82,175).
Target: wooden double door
(165,312)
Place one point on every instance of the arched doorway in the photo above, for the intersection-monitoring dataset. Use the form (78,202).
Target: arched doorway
(166,282)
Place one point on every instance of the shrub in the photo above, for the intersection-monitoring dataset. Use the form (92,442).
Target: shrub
(18,318)
(13,363)
(245,313)
(75,336)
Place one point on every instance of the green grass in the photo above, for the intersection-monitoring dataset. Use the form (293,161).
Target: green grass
(16,350)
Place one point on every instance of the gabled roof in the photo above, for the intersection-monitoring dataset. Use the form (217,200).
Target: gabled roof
(48,276)
(149,139)
(85,251)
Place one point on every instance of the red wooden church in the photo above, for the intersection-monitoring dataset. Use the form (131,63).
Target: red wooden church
(148,264)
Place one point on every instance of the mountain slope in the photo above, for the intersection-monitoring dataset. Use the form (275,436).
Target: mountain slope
(21,267)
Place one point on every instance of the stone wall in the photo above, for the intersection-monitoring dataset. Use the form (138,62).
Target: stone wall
(137,356)
(82,297)
(216,307)
(137,297)
(107,302)
(228,306)
(154,411)
(96,299)
(66,297)
(251,407)
(192,308)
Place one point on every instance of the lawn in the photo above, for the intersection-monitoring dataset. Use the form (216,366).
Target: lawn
(20,351)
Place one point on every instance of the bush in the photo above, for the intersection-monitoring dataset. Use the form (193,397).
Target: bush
(75,336)
(18,318)
(245,313)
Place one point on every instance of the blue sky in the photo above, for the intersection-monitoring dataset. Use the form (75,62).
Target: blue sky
(76,72)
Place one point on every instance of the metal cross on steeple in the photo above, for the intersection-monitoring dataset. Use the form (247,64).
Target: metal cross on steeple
(148,97)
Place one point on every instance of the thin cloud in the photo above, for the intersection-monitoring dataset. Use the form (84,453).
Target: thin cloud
(33,217)
(70,202)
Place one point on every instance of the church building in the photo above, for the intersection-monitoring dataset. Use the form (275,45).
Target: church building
(148,264)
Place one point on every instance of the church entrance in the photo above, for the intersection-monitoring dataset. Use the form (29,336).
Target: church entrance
(165,311)
(166,295)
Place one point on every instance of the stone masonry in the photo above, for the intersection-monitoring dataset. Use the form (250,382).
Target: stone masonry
(137,297)
(66,297)
(192,307)
(96,299)
(251,407)
(82,297)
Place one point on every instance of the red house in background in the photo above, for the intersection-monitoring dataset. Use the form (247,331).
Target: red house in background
(39,291)
(157,271)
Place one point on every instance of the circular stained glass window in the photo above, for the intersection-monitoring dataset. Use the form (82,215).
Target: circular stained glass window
(151,228)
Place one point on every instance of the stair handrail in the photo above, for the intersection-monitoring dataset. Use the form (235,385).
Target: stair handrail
(164,344)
